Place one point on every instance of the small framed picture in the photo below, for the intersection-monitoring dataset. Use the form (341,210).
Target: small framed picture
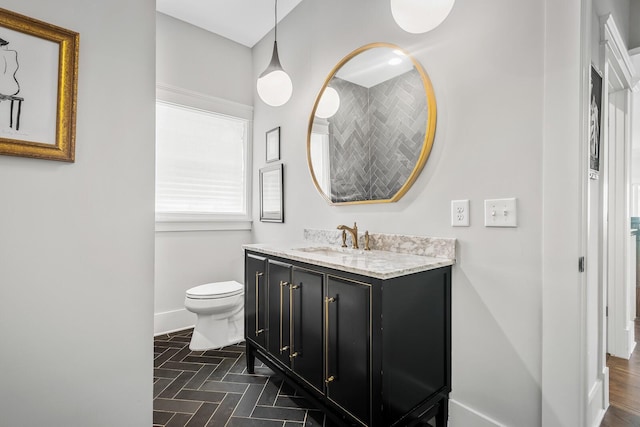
(273,145)
(271,194)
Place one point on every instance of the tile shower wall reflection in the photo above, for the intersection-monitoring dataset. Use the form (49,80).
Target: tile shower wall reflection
(366,161)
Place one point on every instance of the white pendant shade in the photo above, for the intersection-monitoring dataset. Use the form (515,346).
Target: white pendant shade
(275,88)
(274,84)
(329,103)
(420,16)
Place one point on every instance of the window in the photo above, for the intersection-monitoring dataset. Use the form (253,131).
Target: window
(202,179)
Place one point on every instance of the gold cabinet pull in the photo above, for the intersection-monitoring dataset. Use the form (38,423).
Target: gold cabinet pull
(283,348)
(258,330)
(294,353)
(327,301)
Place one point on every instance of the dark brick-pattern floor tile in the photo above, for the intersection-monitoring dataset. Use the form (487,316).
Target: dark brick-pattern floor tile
(287,390)
(240,365)
(160,385)
(202,396)
(252,422)
(171,405)
(161,417)
(203,359)
(293,402)
(213,389)
(166,373)
(177,385)
(248,401)
(314,419)
(164,356)
(222,353)
(271,390)
(263,370)
(224,387)
(179,420)
(181,355)
(182,366)
(222,369)
(202,417)
(284,414)
(200,377)
(249,379)
(167,344)
(225,410)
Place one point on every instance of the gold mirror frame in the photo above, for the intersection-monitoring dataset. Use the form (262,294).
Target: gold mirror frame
(429,131)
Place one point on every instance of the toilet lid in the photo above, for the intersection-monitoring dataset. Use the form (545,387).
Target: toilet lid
(216,290)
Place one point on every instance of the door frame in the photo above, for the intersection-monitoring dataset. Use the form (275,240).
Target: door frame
(618,73)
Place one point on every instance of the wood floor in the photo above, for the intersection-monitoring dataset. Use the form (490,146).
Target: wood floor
(624,390)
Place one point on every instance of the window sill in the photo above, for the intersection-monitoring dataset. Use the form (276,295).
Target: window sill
(186,223)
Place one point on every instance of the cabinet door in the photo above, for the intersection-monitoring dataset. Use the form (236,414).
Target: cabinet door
(347,346)
(255,294)
(279,284)
(306,326)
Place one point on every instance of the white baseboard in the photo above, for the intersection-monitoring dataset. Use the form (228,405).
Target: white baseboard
(461,415)
(597,404)
(171,321)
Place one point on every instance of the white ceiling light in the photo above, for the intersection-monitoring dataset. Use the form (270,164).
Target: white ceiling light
(420,16)
(274,84)
(329,103)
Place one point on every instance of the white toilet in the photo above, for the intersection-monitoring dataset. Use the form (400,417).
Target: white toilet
(220,310)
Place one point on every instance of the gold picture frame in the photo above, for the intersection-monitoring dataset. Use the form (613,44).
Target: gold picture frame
(38,88)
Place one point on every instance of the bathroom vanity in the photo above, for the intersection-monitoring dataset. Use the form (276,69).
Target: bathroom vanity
(366,335)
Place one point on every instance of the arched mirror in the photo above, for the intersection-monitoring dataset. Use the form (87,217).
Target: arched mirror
(372,126)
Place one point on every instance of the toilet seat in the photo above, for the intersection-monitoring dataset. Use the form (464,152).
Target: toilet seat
(215,290)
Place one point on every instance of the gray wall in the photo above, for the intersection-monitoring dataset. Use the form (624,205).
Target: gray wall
(488,145)
(634,24)
(196,60)
(76,240)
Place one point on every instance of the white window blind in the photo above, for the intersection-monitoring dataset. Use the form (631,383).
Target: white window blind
(201,163)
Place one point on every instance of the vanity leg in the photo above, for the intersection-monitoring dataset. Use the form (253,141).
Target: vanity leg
(443,413)
(251,358)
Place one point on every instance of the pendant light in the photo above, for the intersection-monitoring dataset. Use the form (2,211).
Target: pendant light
(329,103)
(274,84)
(420,16)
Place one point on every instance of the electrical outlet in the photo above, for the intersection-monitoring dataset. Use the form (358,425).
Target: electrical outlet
(460,213)
(500,213)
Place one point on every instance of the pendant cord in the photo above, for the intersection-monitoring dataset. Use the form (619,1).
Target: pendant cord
(275,36)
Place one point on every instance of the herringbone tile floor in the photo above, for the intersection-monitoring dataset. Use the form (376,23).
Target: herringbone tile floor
(213,389)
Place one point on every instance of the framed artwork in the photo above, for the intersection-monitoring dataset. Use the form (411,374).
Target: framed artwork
(271,194)
(273,145)
(38,88)
(595,122)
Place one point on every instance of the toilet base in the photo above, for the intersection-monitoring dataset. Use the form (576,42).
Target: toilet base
(210,333)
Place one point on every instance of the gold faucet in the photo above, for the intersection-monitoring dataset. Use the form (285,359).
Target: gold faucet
(354,234)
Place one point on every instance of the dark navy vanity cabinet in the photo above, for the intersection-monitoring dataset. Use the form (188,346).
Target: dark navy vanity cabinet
(367,351)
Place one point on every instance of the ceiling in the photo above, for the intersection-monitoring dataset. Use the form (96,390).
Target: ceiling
(243,21)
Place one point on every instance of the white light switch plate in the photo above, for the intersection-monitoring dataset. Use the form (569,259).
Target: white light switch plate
(500,213)
(460,213)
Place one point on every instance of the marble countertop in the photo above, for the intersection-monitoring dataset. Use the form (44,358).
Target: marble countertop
(380,264)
